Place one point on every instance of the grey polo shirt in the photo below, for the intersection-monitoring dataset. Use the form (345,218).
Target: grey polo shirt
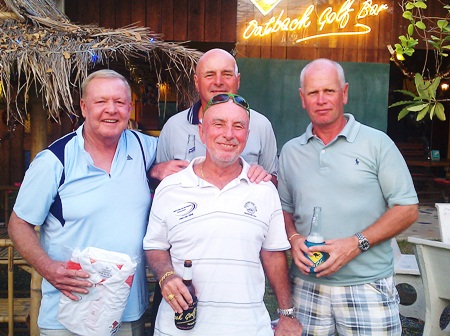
(353,178)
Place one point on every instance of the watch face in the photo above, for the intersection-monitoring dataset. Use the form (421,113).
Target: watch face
(363,242)
(364,245)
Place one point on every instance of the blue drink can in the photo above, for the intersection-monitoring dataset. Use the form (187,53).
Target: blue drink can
(317,258)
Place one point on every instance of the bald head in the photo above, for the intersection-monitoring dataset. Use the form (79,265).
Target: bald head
(218,55)
(216,73)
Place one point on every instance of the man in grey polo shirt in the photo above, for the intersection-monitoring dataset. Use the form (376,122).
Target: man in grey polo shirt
(216,72)
(354,173)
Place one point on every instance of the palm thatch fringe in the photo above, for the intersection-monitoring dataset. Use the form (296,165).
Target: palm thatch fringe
(41,49)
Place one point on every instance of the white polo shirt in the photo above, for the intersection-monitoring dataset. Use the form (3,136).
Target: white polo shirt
(222,232)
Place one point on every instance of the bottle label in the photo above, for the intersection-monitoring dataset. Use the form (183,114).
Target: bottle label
(317,258)
(186,320)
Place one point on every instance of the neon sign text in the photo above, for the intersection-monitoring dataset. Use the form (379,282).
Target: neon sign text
(326,18)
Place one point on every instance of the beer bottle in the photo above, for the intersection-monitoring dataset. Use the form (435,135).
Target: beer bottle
(186,320)
(315,238)
(190,148)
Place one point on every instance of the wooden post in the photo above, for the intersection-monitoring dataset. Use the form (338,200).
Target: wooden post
(35,301)
(16,155)
(38,127)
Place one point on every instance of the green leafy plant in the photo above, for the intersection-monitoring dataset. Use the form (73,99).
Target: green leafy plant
(435,33)
(424,102)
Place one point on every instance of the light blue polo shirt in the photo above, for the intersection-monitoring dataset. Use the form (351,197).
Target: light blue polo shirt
(353,178)
(108,211)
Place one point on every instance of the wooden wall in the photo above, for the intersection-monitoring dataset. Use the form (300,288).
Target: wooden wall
(177,20)
(207,24)
(216,21)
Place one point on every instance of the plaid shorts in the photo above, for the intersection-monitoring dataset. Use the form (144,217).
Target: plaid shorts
(368,309)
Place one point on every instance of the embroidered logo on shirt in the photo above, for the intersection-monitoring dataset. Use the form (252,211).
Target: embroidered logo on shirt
(356,162)
(185,210)
(250,208)
(129,158)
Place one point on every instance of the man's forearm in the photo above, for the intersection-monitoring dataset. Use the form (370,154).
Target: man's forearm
(276,269)
(26,242)
(159,261)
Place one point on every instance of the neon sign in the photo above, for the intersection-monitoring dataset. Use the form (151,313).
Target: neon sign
(265,6)
(327,22)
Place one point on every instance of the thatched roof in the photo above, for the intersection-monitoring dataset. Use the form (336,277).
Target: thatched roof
(40,48)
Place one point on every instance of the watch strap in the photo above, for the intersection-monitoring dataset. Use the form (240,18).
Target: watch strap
(363,243)
(289,312)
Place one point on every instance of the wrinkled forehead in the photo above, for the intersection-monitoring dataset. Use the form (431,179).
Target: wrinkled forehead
(111,85)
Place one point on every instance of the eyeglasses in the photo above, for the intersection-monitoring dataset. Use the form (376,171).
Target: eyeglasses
(224,97)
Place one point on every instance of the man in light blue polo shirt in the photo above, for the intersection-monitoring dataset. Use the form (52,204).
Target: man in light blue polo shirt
(361,181)
(88,189)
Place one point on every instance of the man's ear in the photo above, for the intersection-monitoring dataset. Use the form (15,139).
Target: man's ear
(196,81)
(83,108)
(301,97)
(200,132)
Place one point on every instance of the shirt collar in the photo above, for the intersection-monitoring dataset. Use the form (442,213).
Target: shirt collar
(350,130)
(192,115)
(80,137)
(190,179)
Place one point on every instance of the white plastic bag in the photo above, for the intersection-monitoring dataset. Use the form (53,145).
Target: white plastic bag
(100,311)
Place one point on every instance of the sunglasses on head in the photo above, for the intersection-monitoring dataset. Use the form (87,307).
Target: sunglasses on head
(224,97)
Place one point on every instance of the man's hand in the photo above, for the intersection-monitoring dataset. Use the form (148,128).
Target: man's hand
(298,248)
(68,281)
(288,326)
(175,292)
(341,251)
(257,174)
(164,169)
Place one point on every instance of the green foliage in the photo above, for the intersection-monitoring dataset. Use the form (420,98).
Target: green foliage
(435,32)
(423,101)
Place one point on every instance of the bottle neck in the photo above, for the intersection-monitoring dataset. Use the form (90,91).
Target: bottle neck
(315,234)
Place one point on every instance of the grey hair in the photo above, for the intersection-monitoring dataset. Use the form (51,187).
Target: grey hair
(337,66)
(104,73)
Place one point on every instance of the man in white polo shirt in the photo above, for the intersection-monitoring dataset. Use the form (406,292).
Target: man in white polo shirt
(216,72)
(229,227)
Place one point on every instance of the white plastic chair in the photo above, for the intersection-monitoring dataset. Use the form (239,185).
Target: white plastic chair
(443,210)
(434,264)
(406,271)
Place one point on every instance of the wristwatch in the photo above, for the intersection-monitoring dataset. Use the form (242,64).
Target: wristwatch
(363,244)
(290,312)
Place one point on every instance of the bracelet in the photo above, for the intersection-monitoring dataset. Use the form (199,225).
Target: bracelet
(165,276)
(295,234)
